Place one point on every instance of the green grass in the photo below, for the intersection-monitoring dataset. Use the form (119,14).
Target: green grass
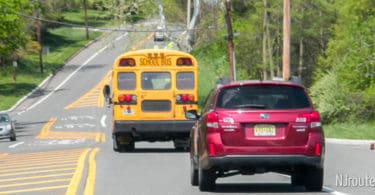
(350,131)
(63,43)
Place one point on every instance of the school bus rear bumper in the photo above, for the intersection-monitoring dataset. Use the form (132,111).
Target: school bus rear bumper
(166,126)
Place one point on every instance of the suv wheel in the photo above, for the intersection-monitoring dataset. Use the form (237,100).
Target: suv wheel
(314,178)
(206,179)
(193,173)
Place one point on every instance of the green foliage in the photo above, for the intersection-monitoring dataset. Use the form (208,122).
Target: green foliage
(12,36)
(350,59)
(212,66)
(351,130)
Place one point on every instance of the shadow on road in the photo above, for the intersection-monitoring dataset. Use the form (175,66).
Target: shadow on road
(155,150)
(260,188)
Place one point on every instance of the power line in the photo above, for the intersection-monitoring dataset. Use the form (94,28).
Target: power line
(113,29)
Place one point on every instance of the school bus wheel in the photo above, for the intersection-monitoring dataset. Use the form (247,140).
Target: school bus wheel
(123,142)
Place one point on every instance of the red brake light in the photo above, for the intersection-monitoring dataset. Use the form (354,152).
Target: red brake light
(127,62)
(184,62)
(184,98)
(311,117)
(212,121)
(127,98)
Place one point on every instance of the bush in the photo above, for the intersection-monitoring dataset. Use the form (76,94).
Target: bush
(338,104)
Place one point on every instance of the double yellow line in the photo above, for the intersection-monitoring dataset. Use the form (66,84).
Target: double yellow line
(91,176)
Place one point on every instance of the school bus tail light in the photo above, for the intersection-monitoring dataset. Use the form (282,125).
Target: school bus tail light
(127,98)
(127,62)
(184,62)
(185,98)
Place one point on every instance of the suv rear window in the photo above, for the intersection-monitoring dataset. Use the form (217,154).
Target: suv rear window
(268,97)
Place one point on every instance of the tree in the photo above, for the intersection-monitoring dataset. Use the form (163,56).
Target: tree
(350,58)
(12,28)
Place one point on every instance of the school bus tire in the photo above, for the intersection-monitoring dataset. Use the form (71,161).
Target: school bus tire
(117,147)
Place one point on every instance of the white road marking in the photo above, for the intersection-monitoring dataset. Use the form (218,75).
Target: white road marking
(16,144)
(70,76)
(332,191)
(102,121)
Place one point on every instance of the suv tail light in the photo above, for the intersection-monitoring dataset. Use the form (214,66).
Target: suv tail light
(212,122)
(311,117)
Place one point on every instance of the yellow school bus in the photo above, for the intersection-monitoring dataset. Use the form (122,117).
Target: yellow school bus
(152,90)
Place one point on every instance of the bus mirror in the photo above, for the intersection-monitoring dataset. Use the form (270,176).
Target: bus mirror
(106,91)
(191,114)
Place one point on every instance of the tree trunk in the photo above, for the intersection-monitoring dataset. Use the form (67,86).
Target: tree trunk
(264,45)
(269,44)
(300,64)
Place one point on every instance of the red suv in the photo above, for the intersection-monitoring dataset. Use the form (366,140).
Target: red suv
(255,127)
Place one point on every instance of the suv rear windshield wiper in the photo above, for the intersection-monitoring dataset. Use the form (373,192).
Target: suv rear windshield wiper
(260,106)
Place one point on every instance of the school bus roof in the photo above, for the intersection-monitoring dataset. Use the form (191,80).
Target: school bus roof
(153,57)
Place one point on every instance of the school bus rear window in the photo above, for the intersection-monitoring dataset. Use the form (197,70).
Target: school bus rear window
(126,81)
(185,80)
(156,80)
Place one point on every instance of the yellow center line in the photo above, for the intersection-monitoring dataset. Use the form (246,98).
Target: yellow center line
(90,181)
(74,183)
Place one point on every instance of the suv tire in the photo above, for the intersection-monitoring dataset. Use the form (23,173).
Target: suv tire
(206,179)
(193,173)
(314,179)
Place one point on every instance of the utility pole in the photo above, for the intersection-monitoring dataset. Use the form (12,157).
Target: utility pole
(188,13)
(86,19)
(230,41)
(39,39)
(286,40)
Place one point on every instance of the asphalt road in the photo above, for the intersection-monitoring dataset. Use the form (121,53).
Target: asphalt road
(64,143)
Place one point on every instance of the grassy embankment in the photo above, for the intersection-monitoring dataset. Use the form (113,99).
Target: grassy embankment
(212,65)
(63,42)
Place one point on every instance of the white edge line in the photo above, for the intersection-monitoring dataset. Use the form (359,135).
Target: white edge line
(66,80)
(61,84)
(16,144)
(102,121)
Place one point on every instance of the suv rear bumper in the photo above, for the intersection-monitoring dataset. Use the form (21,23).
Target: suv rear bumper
(233,162)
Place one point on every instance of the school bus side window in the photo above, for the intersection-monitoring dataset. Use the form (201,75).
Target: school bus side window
(126,81)
(156,80)
(185,80)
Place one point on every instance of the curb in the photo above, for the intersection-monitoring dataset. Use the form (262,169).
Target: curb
(350,141)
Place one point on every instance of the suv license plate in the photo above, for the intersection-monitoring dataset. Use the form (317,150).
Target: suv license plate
(264,130)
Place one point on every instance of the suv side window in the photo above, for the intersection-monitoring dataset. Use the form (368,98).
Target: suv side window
(208,104)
